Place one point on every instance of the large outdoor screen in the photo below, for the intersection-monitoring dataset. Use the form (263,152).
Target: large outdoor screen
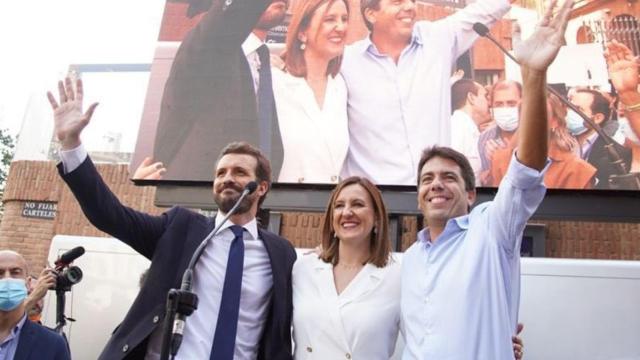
(335,104)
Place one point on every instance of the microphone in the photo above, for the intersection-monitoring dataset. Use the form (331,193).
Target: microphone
(481,29)
(68,257)
(180,319)
(613,154)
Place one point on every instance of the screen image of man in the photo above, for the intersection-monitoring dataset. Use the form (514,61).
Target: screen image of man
(505,99)
(21,338)
(219,90)
(461,278)
(243,269)
(593,104)
(469,101)
(398,79)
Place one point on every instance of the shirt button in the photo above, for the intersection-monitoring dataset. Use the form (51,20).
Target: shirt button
(300,179)
(309,349)
(125,348)
(347,355)
(334,178)
(426,300)
(156,319)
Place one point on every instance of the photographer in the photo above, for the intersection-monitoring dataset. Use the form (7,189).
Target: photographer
(20,338)
(38,288)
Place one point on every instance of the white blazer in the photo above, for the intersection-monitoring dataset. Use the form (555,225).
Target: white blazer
(315,140)
(360,323)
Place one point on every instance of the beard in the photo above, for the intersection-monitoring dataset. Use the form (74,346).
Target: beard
(226,203)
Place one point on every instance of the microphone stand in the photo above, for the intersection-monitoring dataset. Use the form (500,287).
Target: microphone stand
(622,179)
(183,302)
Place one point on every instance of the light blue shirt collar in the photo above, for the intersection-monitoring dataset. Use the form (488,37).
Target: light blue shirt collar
(369,46)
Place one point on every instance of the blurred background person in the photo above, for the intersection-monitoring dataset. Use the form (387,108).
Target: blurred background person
(470,104)
(623,72)
(37,289)
(567,170)
(19,338)
(310,94)
(592,147)
(506,96)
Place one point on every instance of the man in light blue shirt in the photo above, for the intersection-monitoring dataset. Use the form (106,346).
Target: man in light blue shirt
(398,82)
(461,279)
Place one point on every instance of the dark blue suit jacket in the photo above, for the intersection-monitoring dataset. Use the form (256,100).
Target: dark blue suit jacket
(169,240)
(37,342)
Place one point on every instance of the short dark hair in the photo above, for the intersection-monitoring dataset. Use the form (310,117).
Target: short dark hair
(368,4)
(448,153)
(263,167)
(600,105)
(459,92)
(380,245)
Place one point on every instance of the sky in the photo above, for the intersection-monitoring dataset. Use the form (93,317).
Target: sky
(41,38)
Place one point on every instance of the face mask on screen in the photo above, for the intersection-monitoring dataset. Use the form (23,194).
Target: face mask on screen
(575,123)
(506,118)
(12,293)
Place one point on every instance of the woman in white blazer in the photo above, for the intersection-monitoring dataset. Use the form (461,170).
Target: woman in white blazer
(346,301)
(310,94)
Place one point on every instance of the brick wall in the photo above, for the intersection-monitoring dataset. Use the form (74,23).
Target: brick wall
(39,181)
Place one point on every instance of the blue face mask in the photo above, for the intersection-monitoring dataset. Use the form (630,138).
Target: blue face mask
(12,293)
(575,123)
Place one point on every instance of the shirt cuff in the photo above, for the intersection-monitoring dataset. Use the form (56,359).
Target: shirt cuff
(72,159)
(524,177)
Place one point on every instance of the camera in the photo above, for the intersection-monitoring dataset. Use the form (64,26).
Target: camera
(67,277)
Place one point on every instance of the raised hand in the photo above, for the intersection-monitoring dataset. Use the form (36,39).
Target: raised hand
(148,170)
(69,120)
(540,49)
(623,67)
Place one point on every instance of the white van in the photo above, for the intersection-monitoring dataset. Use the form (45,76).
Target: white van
(572,309)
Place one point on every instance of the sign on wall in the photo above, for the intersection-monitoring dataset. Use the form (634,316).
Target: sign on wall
(40,209)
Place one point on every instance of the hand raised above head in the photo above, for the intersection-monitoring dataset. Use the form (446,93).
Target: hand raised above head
(623,67)
(540,49)
(69,120)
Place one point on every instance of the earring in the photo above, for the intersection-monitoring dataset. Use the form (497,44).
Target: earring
(375,231)
(303,46)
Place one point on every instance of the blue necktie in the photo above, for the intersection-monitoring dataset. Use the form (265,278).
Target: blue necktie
(224,340)
(266,103)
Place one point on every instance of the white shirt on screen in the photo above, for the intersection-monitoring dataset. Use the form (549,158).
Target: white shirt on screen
(249,47)
(464,138)
(396,110)
(315,138)
(209,273)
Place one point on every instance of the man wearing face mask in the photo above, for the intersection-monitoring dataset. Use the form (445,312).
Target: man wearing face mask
(20,338)
(506,96)
(592,147)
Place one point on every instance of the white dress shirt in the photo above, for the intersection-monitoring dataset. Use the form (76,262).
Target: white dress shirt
(361,323)
(315,139)
(464,138)
(461,293)
(249,48)
(397,110)
(209,274)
